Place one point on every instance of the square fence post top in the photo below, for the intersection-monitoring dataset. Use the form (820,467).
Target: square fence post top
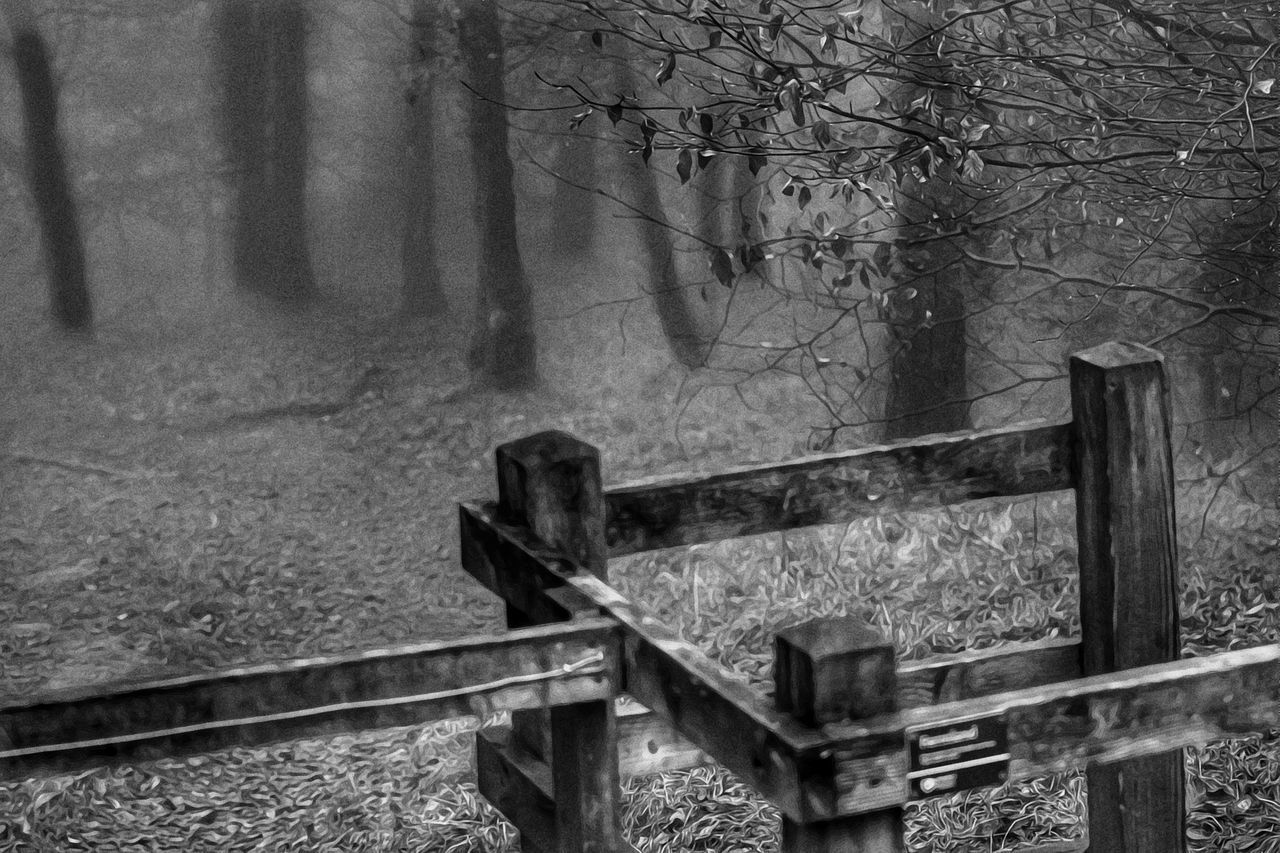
(820,638)
(544,449)
(1114,354)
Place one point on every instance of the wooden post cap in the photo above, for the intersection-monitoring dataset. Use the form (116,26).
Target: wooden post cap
(550,482)
(826,670)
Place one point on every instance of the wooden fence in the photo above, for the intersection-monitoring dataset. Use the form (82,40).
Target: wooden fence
(598,689)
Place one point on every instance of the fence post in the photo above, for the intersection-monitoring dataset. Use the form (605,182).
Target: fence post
(550,482)
(1128,575)
(826,670)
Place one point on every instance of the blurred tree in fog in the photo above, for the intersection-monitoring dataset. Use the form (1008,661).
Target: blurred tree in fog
(972,188)
(503,347)
(674,231)
(261,52)
(927,389)
(46,169)
(421,295)
(689,332)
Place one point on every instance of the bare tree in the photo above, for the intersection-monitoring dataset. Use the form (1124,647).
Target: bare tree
(46,168)
(262,59)
(503,348)
(421,294)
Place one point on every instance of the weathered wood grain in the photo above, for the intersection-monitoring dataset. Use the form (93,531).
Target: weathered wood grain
(933,471)
(949,678)
(819,774)
(507,570)
(406,685)
(519,785)
(648,744)
(1099,719)
(828,670)
(724,716)
(1128,574)
(878,832)
(550,484)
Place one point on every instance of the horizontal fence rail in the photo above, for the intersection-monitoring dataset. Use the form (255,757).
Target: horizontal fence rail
(816,774)
(665,512)
(849,735)
(647,744)
(529,668)
(726,718)
(1100,719)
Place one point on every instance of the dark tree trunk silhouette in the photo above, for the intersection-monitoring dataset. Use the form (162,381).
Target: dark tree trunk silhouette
(503,348)
(46,168)
(927,392)
(421,294)
(262,53)
(689,335)
(928,389)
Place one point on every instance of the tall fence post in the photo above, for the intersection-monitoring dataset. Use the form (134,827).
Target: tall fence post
(550,482)
(1128,575)
(824,671)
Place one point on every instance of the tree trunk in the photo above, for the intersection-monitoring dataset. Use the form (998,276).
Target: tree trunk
(503,347)
(689,334)
(928,389)
(421,294)
(47,175)
(927,392)
(262,52)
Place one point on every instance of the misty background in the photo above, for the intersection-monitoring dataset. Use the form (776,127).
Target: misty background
(277,277)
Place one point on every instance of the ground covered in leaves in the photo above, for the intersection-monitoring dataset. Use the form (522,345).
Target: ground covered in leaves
(265,489)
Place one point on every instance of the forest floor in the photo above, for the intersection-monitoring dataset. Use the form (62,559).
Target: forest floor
(250,488)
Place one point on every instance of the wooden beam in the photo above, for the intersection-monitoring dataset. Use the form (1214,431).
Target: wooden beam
(1099,719)
(406,685)
(879,832)
(666,512)
(648,744)
(506,569)
(826,670)
(964,675)
(549,483)
(724,717)
(1127,534)
(852,768)
(517,784)
(831,669)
